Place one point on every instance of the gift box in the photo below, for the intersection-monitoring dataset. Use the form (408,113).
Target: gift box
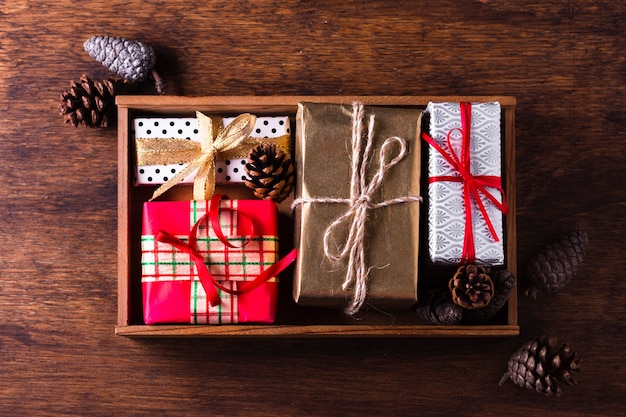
(230,166)
(292,320)
(329,207)
(465,195)
(182,238)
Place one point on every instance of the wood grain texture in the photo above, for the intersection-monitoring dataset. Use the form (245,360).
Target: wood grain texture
(564,62)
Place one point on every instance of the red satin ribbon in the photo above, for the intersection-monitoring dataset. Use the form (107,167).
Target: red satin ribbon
(473,185)
(208,282)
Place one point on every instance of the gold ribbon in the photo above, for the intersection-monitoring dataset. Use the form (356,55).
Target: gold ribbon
(200,155)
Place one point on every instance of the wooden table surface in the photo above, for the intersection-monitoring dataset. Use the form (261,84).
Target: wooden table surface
(563,60)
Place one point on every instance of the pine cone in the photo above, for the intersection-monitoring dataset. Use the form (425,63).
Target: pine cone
(270,172)
(471,287)
(438,308)
(554,267)
(503,281)
(90,103)
(542,365)
(132,60)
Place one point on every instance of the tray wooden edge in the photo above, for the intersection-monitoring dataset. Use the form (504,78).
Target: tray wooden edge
(298,331)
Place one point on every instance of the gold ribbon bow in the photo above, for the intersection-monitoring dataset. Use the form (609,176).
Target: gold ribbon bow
(200,155)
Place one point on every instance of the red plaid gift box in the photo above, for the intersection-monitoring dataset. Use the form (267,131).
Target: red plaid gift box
(210,261)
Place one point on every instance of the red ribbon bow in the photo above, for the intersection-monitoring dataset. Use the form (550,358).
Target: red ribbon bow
(473,185)
(208,282)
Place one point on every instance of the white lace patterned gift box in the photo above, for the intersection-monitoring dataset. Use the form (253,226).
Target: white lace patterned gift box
(270,129)
(466,199)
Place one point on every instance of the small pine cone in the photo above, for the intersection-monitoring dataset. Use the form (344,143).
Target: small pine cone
(438,308)
(91,103)
(503,282)
(542,365)
(554,267)
(130,59)
(471,287)
(271,173)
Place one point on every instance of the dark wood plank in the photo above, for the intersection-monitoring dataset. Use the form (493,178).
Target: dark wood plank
(59,355)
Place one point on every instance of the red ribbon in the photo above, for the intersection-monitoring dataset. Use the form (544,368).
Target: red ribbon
(473,185)
(208,282)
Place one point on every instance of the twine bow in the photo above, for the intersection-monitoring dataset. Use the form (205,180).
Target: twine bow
(473,185)
(359,204)
(200,155)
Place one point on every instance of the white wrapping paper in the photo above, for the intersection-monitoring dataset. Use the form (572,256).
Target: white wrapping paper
(446,208)
(228,171)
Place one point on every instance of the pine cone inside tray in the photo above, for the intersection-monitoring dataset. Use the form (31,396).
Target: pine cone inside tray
(438,308)
(543,364)
(91,103)
(554,267)
(503,281)
(271,173)
(471,287)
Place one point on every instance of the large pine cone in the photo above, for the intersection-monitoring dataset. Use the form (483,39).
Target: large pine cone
(91,103)
(471,287)
(543,365)
(503,282)
(438,308)
(130,59)
(271,173)
(555,266)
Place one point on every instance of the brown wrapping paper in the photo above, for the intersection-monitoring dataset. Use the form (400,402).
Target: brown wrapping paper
(323,150)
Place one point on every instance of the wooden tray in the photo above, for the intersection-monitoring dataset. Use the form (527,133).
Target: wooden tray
(292,320)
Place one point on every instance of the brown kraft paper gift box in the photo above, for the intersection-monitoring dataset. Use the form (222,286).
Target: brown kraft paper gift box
(391,241)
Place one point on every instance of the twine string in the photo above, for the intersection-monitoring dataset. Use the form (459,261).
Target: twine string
(359,205)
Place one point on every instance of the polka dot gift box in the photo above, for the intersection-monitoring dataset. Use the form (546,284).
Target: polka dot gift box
(232,170)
